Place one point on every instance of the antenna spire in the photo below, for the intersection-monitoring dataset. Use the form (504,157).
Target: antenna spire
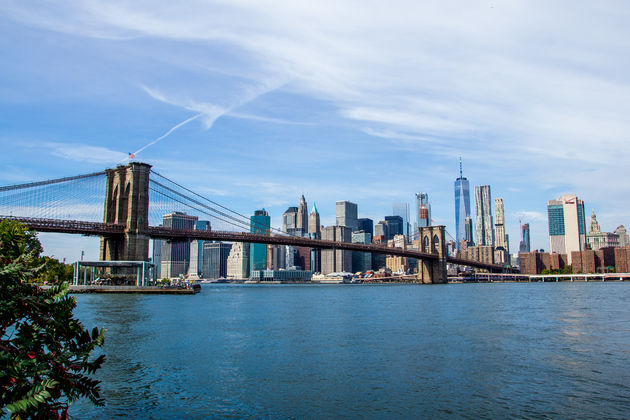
(461,172)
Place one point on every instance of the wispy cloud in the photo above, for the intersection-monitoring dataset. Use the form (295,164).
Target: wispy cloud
(85,153)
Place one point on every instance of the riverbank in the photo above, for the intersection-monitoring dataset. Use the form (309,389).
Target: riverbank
(150,290)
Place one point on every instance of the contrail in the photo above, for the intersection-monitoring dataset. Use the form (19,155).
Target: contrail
(163,136)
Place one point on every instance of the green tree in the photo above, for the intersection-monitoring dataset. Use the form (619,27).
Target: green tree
(45,353)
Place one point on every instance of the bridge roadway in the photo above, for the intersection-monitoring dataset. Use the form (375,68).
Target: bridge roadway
(106,229)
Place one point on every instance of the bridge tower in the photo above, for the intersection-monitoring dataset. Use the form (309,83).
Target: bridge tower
(432,240)
(127,203)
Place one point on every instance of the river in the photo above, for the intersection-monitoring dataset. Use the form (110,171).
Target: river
(559,350)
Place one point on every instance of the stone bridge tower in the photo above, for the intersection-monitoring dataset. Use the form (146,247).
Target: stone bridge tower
(127,203)
(432,240)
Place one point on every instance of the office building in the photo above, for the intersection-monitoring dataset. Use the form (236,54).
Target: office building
(361,261)
(215,257)
(176,254)
(301,222)
(402,210)
(484,229)
(347,215)
(381,230)
(260,223)
(314,232)
(238,261)
(276,257)
(366,225)
(624,239)
(394,226)
(336,261)
(462,205)
(423,210)
(196,252)
(289,221)
(156,258)
(524,245)
(596,239)
(501,246)
(567,227)
(397,264)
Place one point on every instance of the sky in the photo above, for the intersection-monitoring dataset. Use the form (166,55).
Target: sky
(253,103)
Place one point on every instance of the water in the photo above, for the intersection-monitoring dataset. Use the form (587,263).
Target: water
(559,350)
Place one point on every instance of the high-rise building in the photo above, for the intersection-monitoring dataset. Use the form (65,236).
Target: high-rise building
(468,232)
(196,251)
(394,226)
(289,221)
(462,205)
(347,214)
(361,261)
(366,225)
(215,257)
(423,210)
(336,261)
(156,258)
(301,222)
(524,245)
(501,246)
(238,261)
(624,239)
(484,229)
(402,210)
(260,223)
(176,254)
(314,232)
(381,229)
(567,227)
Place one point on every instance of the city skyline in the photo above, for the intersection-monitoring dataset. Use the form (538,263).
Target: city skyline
(254,113)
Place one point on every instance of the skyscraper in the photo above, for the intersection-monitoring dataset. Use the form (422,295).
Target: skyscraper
(176,254)
(567,227)
(260,223)
(347,214)
(238,261)
(301,222)
(314,232)
(423,210)
(195,269)
(361,261)
(402,210)
(335,261)
(462,204)
(484,229)
(394,226)
(468,232)
(289,221)
(366,225)
(501,254)
(215,257)
(524,246)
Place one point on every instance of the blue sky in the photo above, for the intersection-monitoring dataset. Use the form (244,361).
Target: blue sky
(362,101)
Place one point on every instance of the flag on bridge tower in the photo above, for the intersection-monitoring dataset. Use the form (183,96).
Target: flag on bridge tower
(131,155)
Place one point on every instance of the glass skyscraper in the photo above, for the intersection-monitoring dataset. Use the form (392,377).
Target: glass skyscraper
(567,227)
(402,210)
(260,223)
(462,205)
(423,210)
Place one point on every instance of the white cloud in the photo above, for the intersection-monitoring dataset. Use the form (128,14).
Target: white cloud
(86,153)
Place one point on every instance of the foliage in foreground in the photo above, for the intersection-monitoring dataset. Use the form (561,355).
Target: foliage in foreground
(44,351)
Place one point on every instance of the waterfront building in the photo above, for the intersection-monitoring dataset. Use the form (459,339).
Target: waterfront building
(624,239)
(301,222)
(260,223)
(524,245)
(483,216)
(567,228)
(176,254)
(481,253)
(394,226)
(423,210)
(596,239)
(289,221)
(215,257)
(346,215)
(238,261)
(336,260)
(276,257)
(361,261)
(462,204)
(402,210)
(281,276)
(501,244)
(366,225)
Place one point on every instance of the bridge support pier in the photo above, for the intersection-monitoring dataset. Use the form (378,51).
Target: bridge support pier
(127,203)
(432,239)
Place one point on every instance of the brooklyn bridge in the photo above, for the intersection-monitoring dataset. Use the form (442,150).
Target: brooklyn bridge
(125,205)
